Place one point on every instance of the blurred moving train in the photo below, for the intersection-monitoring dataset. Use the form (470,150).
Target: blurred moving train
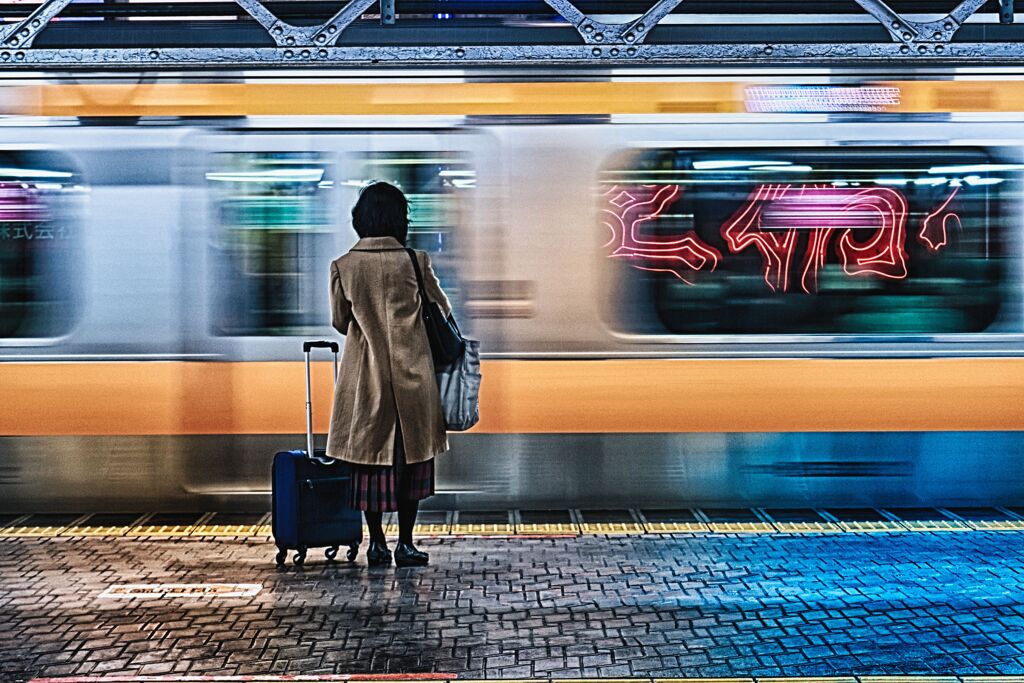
(689,290)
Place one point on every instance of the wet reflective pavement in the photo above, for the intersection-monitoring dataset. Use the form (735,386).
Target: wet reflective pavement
(683,605)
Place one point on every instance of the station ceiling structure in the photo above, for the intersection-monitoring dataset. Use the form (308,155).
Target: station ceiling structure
(103,35)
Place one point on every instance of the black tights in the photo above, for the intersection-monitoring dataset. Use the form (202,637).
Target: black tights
(407,510)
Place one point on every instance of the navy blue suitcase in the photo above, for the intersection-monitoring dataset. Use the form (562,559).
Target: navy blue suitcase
(309,509)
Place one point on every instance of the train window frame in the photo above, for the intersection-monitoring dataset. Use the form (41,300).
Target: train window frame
(338,138)
(73,276)
(215,323)
(356,157)
(1010,314)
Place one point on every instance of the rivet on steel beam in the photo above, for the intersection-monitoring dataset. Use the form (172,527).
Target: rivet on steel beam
(768,49)
(153,54)
(948,26)
(460,52)
(289,54)
(322,53)
(289,40)
(36,23)
(922,49)
(895,24)
(631,51)
(907,35)
(5,56)
(305,53)
(13,40)
(19,55)
(599,37)
(596,52)
(332,29)
(641,28)
(940,48)
(24,32)
(905,49)
(321,38)
(278,30)
(588,29)
(615,52)
(630,37)
(937,35)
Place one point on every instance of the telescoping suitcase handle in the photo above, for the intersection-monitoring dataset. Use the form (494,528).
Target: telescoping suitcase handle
(307,347)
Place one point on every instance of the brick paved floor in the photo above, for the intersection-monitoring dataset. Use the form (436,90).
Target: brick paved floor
(686,605)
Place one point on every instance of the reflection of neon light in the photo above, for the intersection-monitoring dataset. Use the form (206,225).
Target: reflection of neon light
(773,215)
(745,229)
(934,242)
(771,220)
(978,180)
(277,175)
(975,168)
(629,209)
(716,164)
(883,254)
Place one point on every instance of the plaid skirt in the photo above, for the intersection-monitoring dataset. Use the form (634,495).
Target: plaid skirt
(378,488)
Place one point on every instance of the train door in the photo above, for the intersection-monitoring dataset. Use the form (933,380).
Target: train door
(269,212)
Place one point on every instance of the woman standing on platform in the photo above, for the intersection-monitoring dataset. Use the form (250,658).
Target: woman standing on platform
(387,417)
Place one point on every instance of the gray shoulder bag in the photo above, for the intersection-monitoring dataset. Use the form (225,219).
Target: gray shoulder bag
(459,380)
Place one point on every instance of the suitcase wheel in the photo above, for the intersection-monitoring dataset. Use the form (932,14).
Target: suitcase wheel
(353,551)
(331,553)
(282,555)
(299,558)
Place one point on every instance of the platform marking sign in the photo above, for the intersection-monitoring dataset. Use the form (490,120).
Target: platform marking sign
(181,590)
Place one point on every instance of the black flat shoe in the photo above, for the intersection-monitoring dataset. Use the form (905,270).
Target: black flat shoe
(377,555)
(407,556)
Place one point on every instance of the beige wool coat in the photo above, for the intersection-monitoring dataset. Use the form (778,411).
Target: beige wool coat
(387,373)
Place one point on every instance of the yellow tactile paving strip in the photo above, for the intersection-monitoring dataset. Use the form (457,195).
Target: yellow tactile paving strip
(1001,525)
(742,527)
(809,527)
(205,526)
(937,525)
(873,527)
(676,527)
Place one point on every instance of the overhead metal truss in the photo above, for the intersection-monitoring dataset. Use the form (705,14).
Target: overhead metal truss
(53,36)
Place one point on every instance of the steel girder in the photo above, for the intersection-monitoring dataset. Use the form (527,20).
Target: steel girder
(601,43)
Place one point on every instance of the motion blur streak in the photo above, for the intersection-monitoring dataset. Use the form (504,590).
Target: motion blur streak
(157,276)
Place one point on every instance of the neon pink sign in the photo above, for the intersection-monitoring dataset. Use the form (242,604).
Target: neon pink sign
(773,220)
(629,215)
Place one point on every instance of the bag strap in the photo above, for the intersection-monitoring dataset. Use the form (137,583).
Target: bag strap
(419,275)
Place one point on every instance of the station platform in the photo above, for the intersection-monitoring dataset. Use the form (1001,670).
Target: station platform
(634,594)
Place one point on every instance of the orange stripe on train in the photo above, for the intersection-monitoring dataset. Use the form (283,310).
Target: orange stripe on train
(122,398)
(464,99)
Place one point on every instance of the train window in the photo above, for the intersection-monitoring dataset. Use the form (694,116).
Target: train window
(39,229)
(434,183)
(821,241)
(275,223)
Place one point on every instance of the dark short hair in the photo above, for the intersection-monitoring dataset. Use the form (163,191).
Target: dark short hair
(381,211)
